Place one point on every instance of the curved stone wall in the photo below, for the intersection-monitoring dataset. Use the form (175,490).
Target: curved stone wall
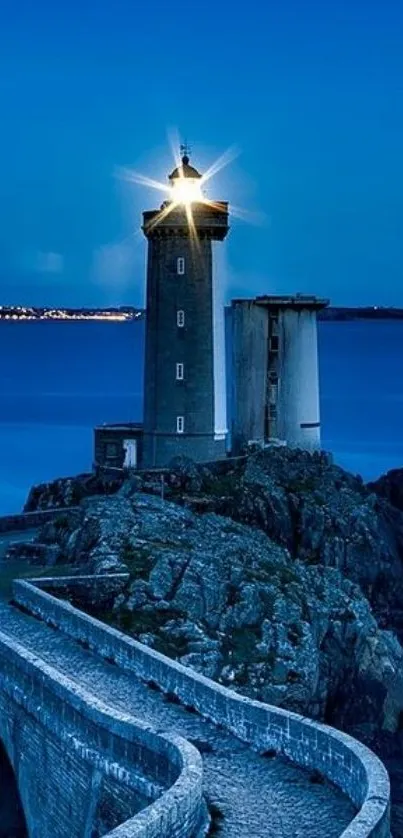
(63,745)
(350,765)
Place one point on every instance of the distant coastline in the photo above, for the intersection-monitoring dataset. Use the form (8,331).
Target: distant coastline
(128,313)
(361,313)
(118,314)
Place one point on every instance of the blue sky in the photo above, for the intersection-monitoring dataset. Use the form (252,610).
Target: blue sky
(310,92)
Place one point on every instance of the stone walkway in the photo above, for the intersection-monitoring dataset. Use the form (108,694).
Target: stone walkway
(259,797)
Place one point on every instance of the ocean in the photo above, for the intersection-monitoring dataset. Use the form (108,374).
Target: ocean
(59,379)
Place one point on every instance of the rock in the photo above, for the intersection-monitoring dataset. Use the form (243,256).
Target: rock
(323,516)
(390,487)
(185,474)
(34,553)
(278,574)
(70,491)
(246,609)
(147,639)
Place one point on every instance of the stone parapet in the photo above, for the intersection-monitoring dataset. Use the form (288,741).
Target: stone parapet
(339,757)
(113,744)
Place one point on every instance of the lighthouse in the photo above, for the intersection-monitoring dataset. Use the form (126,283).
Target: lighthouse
(184,381)
(271,343)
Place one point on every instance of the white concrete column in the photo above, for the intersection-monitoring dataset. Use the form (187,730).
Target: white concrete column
(220,377)
(298,421)
(249,371)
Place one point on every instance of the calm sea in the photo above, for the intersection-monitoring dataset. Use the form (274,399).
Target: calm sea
(58,380)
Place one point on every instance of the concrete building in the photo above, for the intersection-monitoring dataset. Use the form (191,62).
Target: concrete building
(275,382)
(118,446)
(181,365)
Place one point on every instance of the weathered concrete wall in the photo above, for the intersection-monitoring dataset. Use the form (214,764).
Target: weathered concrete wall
(298,388)
(350,765)
(32,520)
(249,372)
(71,754)
(219,355)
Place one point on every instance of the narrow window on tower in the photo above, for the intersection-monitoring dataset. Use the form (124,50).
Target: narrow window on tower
(180,318)
(180,424)
(180,372)
(180,265)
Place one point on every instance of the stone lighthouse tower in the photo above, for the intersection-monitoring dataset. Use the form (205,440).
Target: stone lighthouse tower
(184,384)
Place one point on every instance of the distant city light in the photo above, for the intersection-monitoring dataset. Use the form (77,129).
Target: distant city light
(17,313)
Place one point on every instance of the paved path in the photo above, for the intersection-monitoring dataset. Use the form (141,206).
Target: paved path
(259,797)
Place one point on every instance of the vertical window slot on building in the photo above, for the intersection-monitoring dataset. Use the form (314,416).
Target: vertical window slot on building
(180,318)
(111,450)
(180,372)
(180,424)
(180,265)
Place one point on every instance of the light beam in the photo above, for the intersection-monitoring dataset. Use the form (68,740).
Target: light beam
(186,191)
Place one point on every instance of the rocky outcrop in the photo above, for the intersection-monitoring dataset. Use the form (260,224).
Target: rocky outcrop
(70,491)
(34,553)
(327,517)
(278,574)
(390,487)
(321,514)
(225,598)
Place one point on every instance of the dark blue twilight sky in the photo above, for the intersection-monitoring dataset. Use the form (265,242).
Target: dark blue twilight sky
(310,90)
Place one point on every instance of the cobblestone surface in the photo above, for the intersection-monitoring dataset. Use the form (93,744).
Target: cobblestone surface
(257,796)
